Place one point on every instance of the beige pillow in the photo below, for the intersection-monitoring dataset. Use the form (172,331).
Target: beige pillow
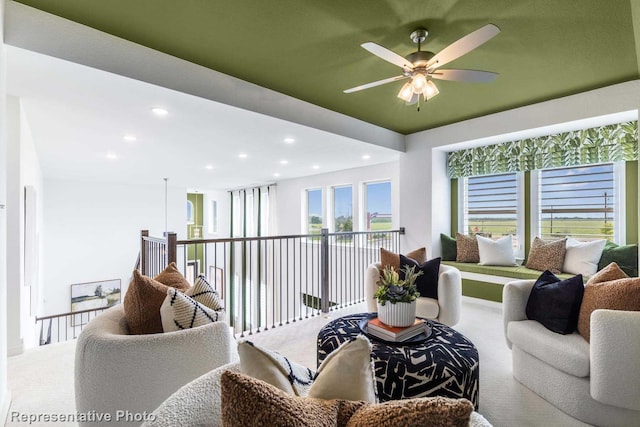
(547,255)
(248,401)
(145,296)
(466,249)
(180,311)
(617,294)
(203,293)
(347,373)
(393,259)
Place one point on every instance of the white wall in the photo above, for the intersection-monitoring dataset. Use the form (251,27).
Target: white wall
(23,169)
(5,397)
(291,194)
(92,232)
(425,185)
(222,197)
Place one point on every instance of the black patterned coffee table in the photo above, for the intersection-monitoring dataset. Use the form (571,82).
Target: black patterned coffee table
(445,364)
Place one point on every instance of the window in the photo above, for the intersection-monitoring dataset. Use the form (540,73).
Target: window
(190,211)
(343,209)
(490,207)
(378,206)
(314,211)
(578,202)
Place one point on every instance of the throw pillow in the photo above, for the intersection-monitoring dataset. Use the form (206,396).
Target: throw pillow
(425,411)
(203,292)
(620,294)
(556,303)
(427,282)
(172,277)
(496,252)
(347,373)
(625,256)
(250,402)
(179,311)
(466,249)
(582,257)
(607,274)
(275,369)
(145,296)
(547,255)
(449,247)
(393,259)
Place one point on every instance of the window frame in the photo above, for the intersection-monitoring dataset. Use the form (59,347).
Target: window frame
(519,235)
(365,203)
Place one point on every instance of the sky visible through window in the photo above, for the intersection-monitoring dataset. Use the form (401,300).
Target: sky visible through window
(342,201)
(379,197)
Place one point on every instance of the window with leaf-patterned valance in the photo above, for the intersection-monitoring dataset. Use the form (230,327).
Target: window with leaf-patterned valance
(601,144)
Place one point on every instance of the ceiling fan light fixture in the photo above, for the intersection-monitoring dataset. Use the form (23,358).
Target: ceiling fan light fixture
(430,90)
(418,83)
(414,99)
(406,93)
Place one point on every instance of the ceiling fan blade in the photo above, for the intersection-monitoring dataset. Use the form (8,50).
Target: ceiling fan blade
(463,46)
(387,55)
(474,76)
(374,84)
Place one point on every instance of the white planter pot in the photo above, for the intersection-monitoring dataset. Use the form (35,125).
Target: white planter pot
(400,314)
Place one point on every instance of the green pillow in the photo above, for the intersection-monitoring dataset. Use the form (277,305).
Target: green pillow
(449,247)
(625,256)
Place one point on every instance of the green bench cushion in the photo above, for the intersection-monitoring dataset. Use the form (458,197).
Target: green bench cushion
(518,272)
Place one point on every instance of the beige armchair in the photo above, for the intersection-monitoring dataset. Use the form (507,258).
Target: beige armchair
(119,374)
(445,309)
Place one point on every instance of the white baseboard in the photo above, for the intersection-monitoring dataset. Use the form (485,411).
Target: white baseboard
(16,349)
(5,404)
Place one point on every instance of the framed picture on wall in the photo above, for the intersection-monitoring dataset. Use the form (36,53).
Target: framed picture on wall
(94,295)
(216,279)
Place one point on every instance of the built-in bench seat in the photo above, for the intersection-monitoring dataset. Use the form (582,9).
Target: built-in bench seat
(486,281)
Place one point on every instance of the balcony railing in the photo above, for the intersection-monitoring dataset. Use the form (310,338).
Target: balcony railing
(270,281)
(264,281)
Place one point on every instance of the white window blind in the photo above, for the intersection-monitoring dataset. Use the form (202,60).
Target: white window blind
(578,202)
(491,206)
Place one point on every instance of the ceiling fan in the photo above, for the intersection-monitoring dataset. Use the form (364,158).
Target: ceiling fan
(423,66)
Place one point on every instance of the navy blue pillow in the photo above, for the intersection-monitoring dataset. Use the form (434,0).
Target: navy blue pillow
(556,303)
(427,282)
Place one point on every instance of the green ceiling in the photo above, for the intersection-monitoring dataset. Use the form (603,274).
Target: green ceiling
(311,49)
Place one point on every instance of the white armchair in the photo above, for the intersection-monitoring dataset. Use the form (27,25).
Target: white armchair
(115,371)
(597,382)
(445,309)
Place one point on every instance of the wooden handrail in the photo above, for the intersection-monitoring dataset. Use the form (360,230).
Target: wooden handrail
(282,237)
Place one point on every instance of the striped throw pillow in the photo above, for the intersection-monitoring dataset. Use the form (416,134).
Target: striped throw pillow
(203,292)
(180,311)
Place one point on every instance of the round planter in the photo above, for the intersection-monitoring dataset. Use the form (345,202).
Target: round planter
(400,314)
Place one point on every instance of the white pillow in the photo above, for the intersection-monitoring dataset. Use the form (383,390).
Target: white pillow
(180,311)
(203,292)
(496,252)
(347,373)
(582,257)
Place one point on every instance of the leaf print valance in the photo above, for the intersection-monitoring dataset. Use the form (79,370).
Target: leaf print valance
(601,144)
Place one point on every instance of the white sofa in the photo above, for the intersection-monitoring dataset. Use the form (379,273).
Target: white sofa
(198,404)
(445,309)
(115,371)
(597,382)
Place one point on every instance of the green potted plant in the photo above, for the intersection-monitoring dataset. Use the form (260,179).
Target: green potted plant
(396,298)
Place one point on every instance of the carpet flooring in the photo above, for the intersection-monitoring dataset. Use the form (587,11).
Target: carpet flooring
(41,379)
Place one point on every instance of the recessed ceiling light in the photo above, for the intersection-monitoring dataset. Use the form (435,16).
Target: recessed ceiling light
(289,140)
(111,156)
(130,138)
(316,166)
(209,167)
(159,111)
(276,174)
(366,157)
(242,155)
(284,162)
